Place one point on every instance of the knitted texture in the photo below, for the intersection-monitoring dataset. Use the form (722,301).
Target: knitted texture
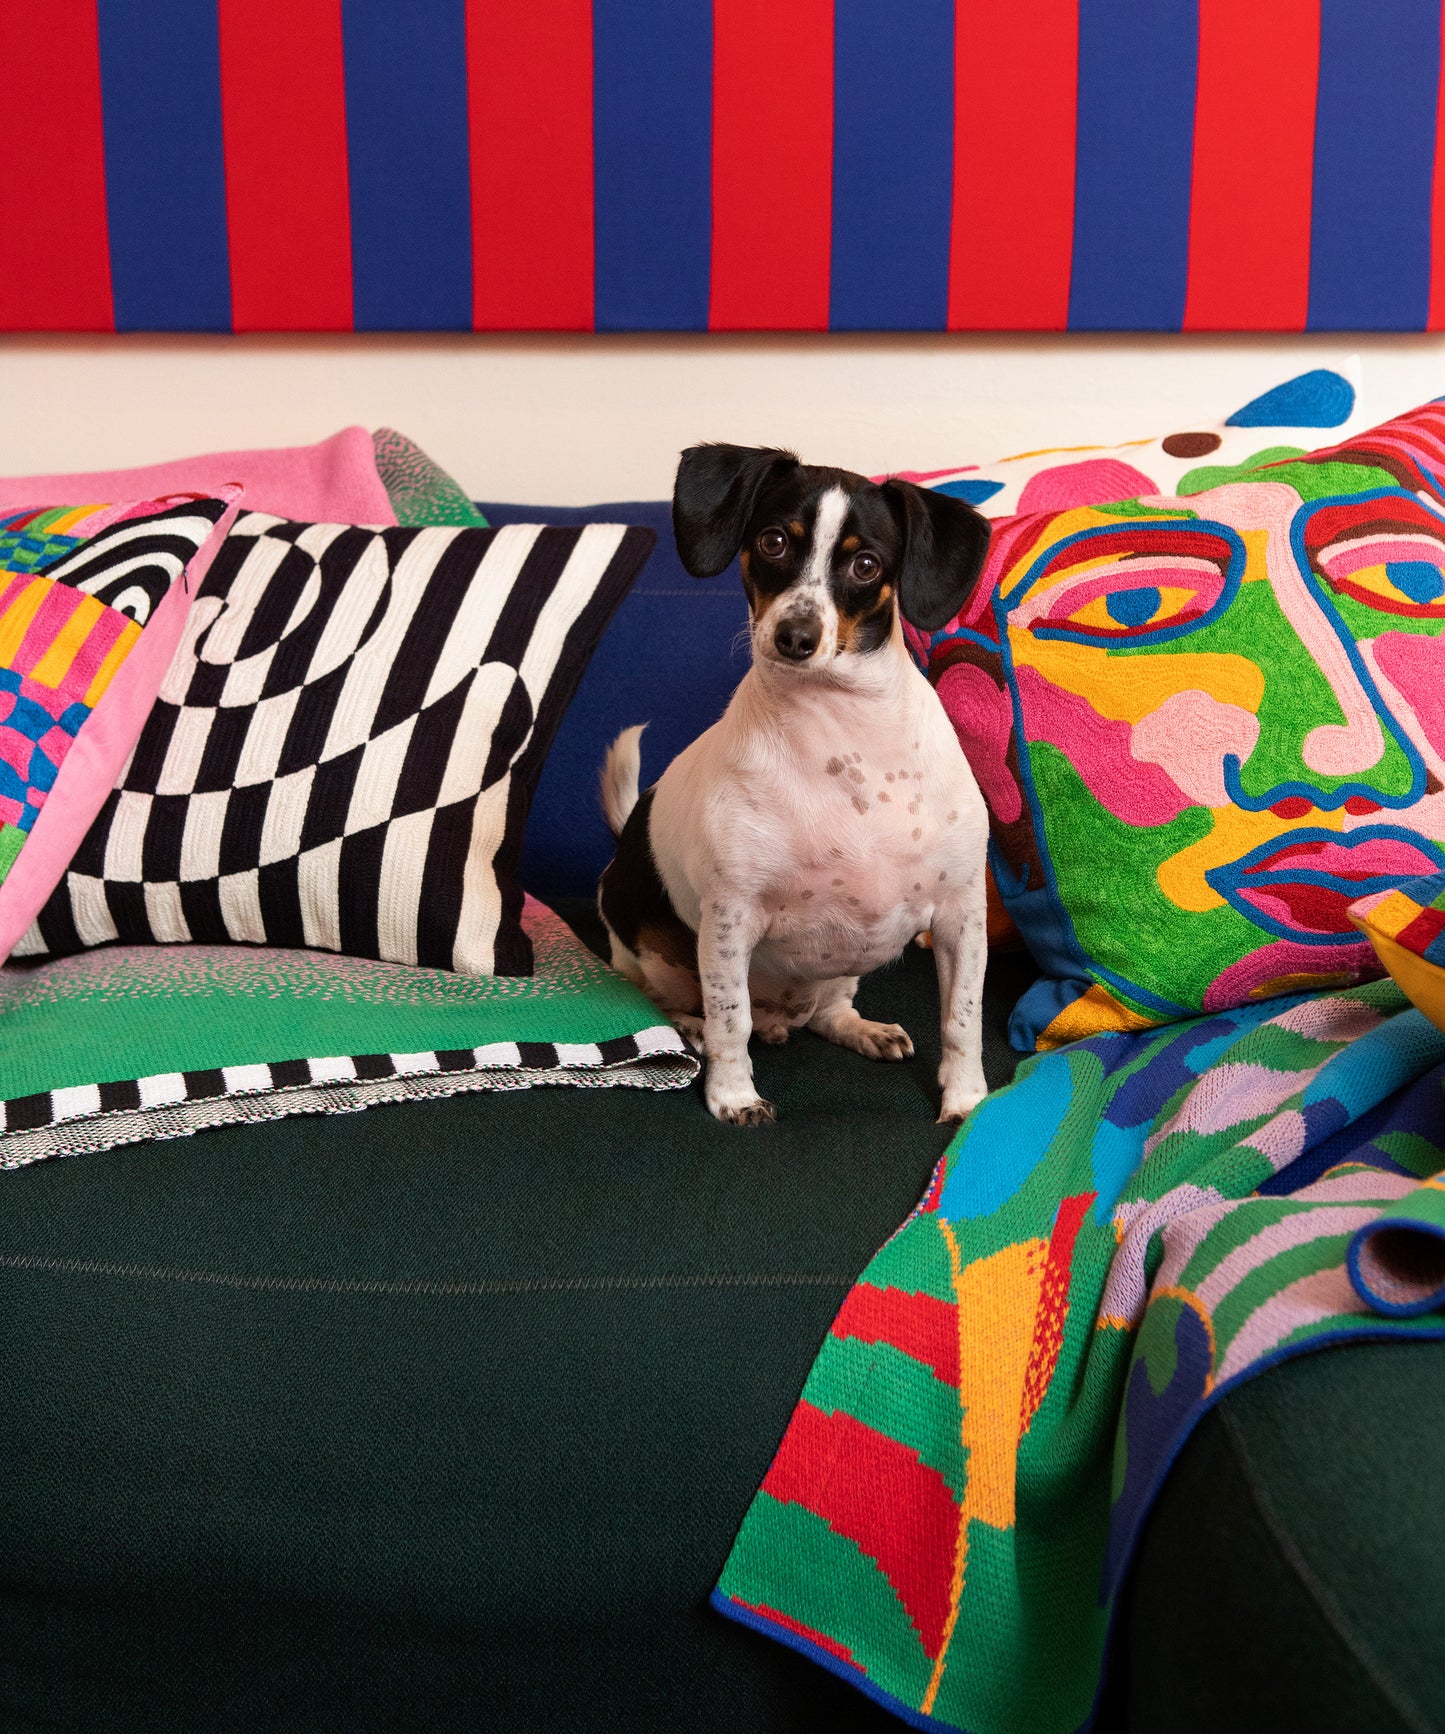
(141,1042)
(420,491)
(1205,725)
(345,746)
(1114,1241)
(77,585)
(81,589)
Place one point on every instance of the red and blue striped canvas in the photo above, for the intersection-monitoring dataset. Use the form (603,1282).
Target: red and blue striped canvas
(725,165)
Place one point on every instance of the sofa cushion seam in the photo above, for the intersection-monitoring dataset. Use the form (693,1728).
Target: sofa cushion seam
(1293,1559)
(421,1286)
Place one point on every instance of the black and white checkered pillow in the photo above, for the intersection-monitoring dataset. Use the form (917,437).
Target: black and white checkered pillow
(346,745)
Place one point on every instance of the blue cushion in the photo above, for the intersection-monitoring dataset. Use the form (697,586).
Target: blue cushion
(671,658)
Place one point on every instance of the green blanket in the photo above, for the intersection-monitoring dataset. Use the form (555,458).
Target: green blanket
(132,1042)
(1132,1227)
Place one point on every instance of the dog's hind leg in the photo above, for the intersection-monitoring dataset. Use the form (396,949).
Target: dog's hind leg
(836,1019)
(673,988)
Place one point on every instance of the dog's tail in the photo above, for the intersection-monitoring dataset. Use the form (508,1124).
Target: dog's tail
(620,772)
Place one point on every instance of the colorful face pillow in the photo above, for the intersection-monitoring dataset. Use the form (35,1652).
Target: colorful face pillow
(1206,726)
(92,603)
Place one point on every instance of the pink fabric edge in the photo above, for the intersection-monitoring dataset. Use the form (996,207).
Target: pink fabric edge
(331,482)
(89,770)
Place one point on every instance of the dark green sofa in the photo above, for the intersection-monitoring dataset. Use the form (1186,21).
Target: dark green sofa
(442,1416)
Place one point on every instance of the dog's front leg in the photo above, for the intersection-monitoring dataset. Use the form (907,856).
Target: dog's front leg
(728,930)
(960,949)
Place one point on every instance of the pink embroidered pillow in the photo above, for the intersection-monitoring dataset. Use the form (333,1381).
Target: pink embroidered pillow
(93,599)
(332,482)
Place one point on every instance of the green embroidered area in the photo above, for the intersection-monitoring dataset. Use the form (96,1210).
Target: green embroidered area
(420,490)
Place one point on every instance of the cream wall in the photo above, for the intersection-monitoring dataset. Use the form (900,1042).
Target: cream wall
(571,420)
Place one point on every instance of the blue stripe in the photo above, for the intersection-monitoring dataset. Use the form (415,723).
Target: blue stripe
(165,174)
(1374,163)
(892,165)
(652,155)
(409,160)
(1138,62)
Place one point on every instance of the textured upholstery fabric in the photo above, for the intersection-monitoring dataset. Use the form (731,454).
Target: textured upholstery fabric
(1313,1595)
(270,1472)
(670,659)
(274,1480)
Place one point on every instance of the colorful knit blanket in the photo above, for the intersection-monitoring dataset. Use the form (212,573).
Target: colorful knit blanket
(1113,1242)
(133,1042)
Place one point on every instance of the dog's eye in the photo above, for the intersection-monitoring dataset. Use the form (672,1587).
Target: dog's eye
(866,567)
(772,544)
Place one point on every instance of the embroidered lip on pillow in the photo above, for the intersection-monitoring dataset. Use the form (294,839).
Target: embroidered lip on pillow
(345,746)
(1205,726)
(92,603)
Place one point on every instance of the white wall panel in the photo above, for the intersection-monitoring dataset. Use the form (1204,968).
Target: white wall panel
(572,420)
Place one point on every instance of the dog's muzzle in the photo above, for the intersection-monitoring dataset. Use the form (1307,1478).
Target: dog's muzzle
(797,637)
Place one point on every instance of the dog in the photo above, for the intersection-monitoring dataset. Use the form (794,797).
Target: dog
(830,815)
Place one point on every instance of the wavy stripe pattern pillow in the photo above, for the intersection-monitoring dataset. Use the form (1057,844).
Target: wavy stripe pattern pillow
(346,744)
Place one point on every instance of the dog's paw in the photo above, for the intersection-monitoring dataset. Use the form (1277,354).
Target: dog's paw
(691,1029)
(770,1026)
(958,1105)
(881,1041)
(754,1113)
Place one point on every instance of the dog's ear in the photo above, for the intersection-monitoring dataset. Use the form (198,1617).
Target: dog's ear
(945,543)
(716,490)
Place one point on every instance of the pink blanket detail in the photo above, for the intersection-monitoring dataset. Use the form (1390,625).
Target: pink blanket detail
(332,482)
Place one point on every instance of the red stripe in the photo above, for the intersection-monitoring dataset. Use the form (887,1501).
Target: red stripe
(1436,318)
(1053,1307)
(789,1624)
(1016,78)
(283,113)
(877,1493)
(1254,131)
(919,1325)
(1421,932)
(529,83)
(56,275)
(772,165)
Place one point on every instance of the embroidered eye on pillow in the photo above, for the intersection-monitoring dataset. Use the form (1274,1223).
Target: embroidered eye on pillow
(1205,726)
(93,600)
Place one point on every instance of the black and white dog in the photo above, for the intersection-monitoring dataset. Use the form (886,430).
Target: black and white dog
(830,815)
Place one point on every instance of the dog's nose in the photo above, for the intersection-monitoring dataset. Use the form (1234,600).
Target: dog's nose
(796,639)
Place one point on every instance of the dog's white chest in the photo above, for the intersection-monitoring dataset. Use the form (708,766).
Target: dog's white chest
(866,855)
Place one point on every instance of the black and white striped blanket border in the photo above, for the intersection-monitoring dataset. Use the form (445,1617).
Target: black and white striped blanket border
(92,1117)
